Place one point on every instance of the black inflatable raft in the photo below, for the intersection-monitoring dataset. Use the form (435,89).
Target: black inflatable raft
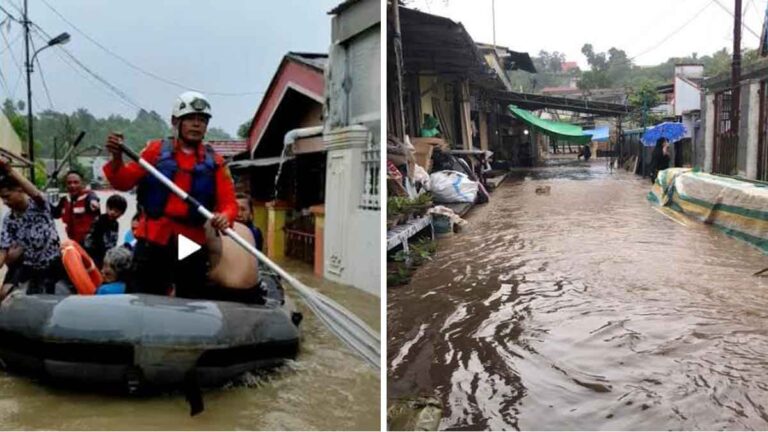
(138,341)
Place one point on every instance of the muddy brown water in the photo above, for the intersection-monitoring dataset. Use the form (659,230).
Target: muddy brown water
(325,388)
(584,308)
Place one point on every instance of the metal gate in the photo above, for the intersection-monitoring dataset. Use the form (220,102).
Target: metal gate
(762,143)
(726,138)
(300,239)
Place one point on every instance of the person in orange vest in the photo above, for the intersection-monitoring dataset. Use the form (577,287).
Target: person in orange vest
(78,209)
(197,169)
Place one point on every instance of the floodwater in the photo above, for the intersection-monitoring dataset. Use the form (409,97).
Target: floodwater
(326,387)
(584,308)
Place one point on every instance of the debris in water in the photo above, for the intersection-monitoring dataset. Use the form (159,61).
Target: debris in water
(421,414)
(543,190)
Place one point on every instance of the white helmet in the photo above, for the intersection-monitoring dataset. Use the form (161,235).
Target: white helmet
(190,103)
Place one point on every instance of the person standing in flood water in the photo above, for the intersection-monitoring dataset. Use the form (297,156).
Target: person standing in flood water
(79,209)
(197,169)
(660,158)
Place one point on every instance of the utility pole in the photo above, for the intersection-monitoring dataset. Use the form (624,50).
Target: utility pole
(736,69)
(493,15)
(30,136)
(55,156)
(397,44)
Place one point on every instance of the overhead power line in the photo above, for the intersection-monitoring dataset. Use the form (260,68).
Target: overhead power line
(121,94)
(674,32)
(140,69)
(742,22)
(9,14)
(10,44)
(79,67)
(12,92)
(42,78)
(89,79)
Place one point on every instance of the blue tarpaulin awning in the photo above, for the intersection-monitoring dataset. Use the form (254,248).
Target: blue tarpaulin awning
(598,134)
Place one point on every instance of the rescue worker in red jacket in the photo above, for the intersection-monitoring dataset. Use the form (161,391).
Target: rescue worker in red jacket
(78,209)
(195,168)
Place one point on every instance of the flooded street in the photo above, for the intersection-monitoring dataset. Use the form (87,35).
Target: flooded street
(326,387)
(584,308)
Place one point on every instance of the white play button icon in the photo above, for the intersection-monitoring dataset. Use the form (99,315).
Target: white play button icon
(186,247)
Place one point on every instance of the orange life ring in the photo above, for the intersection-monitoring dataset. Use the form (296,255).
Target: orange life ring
(80,268)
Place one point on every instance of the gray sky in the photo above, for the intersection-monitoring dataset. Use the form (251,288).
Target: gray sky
(637,27)
(227,46)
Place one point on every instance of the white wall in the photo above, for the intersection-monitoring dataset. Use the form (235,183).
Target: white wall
(753,128)
(709,133)
(352,246)
(352,243)
(687,96)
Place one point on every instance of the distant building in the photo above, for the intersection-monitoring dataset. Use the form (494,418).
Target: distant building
(683,94)
(569,66)
(228,148)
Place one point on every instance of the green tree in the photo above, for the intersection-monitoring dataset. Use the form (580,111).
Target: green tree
(597,76)
(642,98)
(217,134)
(242,131)
(619,67)
(719,63)
(594,79)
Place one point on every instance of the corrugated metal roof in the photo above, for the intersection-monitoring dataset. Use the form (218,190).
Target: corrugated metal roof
(436,44)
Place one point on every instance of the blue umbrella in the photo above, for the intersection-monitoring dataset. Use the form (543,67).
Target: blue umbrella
(669,130)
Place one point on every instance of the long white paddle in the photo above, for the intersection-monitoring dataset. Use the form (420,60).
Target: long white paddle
(360,338)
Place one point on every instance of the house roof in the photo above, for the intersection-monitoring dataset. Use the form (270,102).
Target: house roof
(435,44)
(690,82)
(723,81)
(531,101)
(512,60)
(316,60)
(561,90)
(566,66)
(301,72)
(342,7)
(229,148)
(666,88)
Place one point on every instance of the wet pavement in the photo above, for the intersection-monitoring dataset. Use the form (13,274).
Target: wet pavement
(583,307)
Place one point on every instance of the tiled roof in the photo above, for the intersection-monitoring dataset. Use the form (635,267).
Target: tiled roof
(229,148)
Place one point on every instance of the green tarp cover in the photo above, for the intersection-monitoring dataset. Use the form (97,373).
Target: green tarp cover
(557,130)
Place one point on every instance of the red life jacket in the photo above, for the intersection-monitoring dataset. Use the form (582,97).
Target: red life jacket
(78,216)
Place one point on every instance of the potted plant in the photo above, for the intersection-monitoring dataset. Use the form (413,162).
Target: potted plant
(419,205)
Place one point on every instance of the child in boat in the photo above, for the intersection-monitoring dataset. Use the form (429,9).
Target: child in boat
(245,217)
(117,265)
(28,234)
(103,233)
(129,241)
